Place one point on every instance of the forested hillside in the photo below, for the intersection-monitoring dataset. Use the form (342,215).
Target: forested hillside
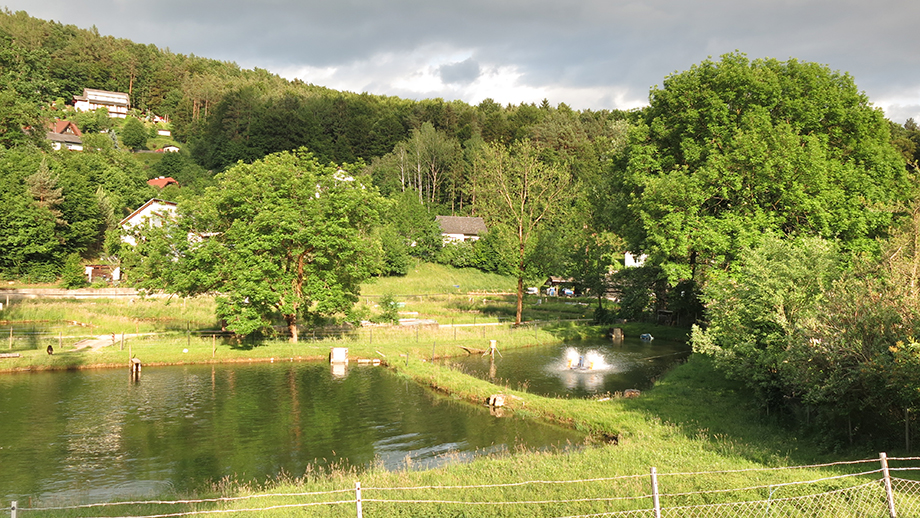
(223,114)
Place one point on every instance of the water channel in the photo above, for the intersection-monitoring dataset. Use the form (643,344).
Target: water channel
(88,436)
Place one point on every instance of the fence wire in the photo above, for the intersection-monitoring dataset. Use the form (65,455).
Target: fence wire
(860,493)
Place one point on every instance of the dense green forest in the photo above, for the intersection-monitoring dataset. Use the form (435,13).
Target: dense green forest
(776,207)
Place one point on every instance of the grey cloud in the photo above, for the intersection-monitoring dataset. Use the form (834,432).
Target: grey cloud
(463,72)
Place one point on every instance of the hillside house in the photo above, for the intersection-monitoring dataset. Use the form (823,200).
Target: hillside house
(65,135)
(154,211)
(117,103)
(456,229)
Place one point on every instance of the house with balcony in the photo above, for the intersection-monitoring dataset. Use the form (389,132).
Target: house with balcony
(117,103)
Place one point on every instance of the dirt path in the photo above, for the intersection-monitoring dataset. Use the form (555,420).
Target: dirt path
(98,342)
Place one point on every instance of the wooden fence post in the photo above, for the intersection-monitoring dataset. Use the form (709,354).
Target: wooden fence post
(13,508)
(888,491)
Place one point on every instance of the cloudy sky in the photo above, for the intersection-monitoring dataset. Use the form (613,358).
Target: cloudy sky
(586,53)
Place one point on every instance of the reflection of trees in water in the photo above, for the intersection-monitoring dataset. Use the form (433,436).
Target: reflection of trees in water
(89,434)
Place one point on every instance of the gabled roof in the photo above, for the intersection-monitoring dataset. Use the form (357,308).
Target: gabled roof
(62,127)
(169,205)
(162,181)
(467,226)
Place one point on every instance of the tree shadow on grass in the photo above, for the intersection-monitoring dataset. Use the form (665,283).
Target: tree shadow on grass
(699,402)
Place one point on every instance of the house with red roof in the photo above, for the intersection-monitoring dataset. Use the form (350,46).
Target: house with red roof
(65,134)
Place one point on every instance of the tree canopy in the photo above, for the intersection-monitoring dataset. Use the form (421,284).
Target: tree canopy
(284,236)
(732,149)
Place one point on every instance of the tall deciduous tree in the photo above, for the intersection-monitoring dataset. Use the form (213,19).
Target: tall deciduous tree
(521,194)
(732,149)
(283,236)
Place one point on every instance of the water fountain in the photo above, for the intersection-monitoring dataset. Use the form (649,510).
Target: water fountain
(589,361)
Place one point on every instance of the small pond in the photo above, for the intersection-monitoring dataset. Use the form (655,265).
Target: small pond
(89,436)
(578,369)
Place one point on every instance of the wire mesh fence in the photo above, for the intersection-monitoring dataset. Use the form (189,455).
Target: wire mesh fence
(866,488)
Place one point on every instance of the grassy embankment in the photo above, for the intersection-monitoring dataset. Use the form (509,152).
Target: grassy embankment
(691,421)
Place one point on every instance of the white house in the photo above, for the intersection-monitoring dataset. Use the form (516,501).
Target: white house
(458,228)
(631,261)
(65,135)
(117,103)
(154,211)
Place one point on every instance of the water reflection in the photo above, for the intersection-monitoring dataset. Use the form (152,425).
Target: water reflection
(95,435)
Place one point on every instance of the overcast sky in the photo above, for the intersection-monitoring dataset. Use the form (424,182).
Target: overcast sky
(588,54)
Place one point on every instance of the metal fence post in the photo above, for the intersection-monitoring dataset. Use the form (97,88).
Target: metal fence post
(655,500)
(888,492)
(358,499)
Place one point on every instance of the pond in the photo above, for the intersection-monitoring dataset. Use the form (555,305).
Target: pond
(578,369)
(89,436)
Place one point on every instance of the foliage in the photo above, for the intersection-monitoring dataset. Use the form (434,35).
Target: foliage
(134,134)
(733,149)
(414,224)
(389,310)
(788,325)
(637,291)
(284,235)
(72,275)
(395,253)
(520,194)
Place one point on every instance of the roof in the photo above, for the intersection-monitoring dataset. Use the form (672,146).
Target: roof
(162,181)
(66,138)
(467,226)
(104,97)
(150,202)
(62,127)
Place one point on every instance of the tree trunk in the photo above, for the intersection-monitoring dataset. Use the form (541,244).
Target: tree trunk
(292,326)
(520,290)
(520,299)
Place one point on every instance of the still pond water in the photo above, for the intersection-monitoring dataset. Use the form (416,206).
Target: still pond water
(578,369)
(91,436)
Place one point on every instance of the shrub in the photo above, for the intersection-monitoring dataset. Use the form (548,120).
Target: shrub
(72,275)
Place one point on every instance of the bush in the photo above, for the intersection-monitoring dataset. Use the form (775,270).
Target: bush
(72,275)
(389,310)
(395,253)
(133,134)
